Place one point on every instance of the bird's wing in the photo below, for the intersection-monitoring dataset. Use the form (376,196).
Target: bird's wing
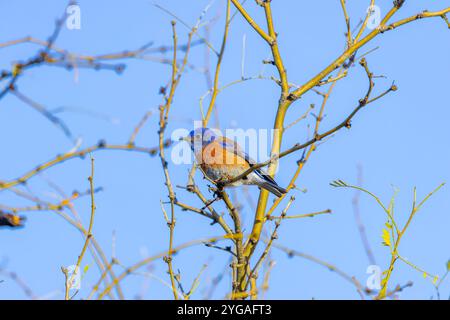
(233,147)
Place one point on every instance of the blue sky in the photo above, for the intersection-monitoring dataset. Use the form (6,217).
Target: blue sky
(401,141)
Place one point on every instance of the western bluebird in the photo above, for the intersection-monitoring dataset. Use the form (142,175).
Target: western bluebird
(222,159)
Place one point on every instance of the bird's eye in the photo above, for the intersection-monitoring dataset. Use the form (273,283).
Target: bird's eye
(197,136)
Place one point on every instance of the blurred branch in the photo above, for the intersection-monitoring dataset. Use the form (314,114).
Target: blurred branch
(359,223)
(351,279)
(139,127)
(47,114)
(20,282)
(102,145)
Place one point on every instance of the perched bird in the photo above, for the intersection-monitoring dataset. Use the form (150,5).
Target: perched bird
(222,159)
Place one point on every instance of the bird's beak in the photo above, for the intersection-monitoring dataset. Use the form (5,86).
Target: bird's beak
(187,139)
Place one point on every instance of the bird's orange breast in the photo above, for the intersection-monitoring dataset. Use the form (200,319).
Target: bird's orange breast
(220,163)
(215,154)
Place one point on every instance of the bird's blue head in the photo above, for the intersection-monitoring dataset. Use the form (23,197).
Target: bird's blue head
(201,137)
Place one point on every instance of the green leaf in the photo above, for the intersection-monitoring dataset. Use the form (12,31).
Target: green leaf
(15,70)
(339,183)
(448,265)
(386,238)
(86,268)
(392,201)
(424,275)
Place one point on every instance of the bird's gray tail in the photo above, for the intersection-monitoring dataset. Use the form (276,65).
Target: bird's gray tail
(273,188)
